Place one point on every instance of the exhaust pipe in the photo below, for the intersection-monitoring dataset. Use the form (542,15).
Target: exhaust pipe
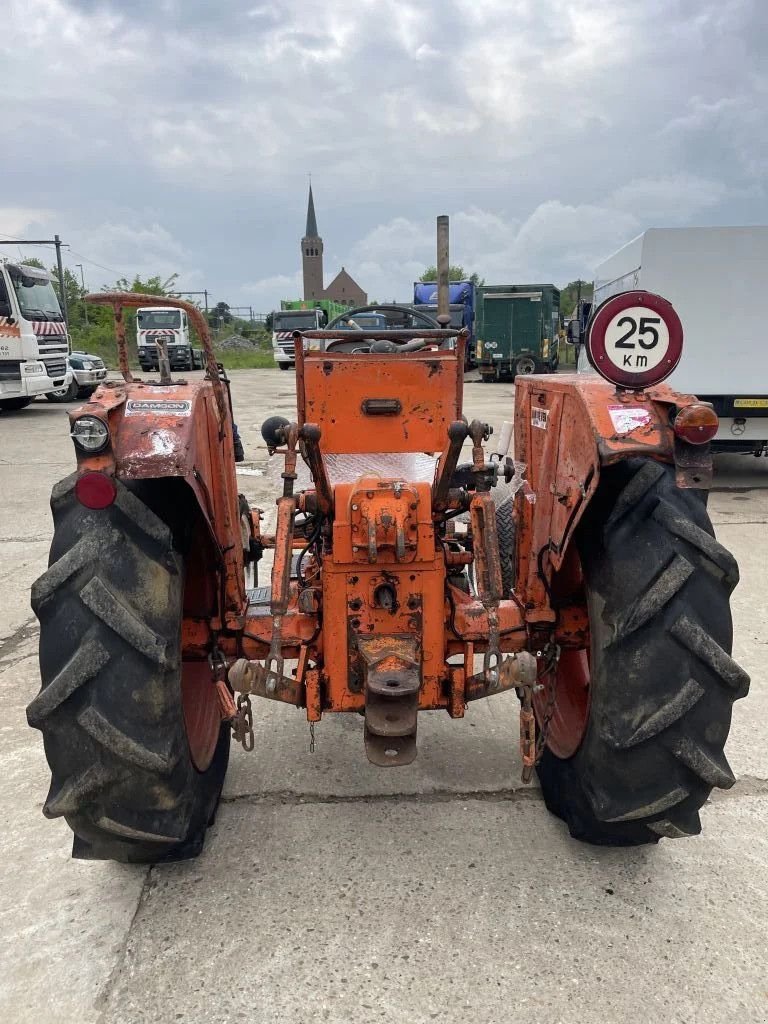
(443,265)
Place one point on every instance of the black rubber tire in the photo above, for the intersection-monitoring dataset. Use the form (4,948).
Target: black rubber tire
(70,395)
(662,680)
(14,404)
(505,529)
(285,366)
(525,362)
(110,710)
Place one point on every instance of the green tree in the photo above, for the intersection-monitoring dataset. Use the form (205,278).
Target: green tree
(455,273)
(220,314)
(569,295)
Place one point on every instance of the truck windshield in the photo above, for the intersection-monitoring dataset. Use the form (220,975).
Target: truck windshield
(37,299)
(153,319)
(296,321)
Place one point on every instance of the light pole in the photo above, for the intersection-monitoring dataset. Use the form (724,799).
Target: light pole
(85,304)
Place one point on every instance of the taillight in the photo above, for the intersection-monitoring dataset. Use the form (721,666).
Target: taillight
(696,424)
(95,490)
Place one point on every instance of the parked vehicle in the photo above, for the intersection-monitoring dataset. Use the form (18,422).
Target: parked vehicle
(172,326)
(284,322)
(33,336)
(715,278)
(88,371)
(518,330)
(462,296)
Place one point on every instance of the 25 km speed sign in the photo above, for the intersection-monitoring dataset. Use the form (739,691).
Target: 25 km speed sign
(635,339)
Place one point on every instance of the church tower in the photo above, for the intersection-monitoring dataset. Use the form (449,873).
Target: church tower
(312,256)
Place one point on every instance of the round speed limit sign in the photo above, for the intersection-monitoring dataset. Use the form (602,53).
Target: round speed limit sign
(635,339)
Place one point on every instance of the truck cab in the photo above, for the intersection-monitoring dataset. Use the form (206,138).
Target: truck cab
(156,323)
(33,336)
(283,322)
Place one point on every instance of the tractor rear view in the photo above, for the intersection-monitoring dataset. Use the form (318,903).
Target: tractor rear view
(595,589)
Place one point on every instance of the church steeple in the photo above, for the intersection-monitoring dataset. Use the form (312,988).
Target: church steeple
(311,231)
(312,256)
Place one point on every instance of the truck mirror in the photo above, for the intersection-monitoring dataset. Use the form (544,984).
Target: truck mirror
(269,321)
(574,333)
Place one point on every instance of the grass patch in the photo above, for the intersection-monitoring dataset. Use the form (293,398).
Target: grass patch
(242,359)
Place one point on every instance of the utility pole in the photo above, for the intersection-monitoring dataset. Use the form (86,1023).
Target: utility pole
(48,241)
(177,291)
(65,311)
(82,280)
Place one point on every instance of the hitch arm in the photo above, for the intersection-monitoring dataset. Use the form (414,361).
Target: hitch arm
(446,467)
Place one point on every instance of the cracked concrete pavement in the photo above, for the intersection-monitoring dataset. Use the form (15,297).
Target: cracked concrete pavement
(329,890)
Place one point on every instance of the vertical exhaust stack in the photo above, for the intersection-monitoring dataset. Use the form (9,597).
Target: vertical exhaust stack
(443,265)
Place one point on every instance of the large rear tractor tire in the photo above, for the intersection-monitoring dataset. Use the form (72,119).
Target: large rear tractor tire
(636,739)
(137,769)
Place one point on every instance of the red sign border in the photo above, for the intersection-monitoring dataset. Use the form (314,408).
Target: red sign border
(598,325)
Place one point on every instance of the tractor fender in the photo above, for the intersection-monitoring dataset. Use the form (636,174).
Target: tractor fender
(567,427)
(161,431)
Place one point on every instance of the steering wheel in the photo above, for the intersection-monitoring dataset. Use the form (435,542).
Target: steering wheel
(416,320)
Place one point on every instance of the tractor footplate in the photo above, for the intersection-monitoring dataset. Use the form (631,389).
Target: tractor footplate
(392,684)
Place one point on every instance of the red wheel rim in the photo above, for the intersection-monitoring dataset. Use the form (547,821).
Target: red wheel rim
(202,717)
(571,679)
(572,699)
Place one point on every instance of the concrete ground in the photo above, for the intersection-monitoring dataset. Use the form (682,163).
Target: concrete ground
(332,891)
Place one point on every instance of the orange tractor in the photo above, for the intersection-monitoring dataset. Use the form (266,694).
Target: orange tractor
(596,590)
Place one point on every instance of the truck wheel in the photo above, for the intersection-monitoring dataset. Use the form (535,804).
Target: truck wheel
(285,366)
(524,366)
(12,404)
(134,738)
(639,723)
(68,394)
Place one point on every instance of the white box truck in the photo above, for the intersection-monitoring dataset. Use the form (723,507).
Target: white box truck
(715,278)
(33,336)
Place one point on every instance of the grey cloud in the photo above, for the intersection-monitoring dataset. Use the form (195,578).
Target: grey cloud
(158,135)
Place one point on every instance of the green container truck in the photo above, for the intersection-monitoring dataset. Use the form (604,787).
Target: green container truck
(518,330)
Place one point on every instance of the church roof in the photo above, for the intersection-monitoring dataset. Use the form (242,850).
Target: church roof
(311,231)
(343,278)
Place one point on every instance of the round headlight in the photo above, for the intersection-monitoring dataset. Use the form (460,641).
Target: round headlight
(90,433)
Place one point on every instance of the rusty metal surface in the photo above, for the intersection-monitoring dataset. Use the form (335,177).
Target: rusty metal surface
(251,677)
(516,670)
(135,300)
(396,334)
(392,683)
(333,387)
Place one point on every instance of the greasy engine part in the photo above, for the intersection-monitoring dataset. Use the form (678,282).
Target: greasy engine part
(387,593)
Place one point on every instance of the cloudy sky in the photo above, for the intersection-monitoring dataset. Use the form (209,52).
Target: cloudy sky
(178,136)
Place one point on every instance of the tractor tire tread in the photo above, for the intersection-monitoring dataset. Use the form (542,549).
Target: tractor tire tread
(664,681)
(110,707)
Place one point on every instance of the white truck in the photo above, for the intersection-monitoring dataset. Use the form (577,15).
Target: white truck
(714,277)
(33,336)
(283,322)
(154,323)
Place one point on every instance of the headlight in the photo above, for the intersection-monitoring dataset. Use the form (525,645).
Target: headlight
(90,433)
(33,368)
(87,366)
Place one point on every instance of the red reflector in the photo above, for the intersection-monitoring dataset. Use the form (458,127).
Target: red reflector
(696,424)
(95,490)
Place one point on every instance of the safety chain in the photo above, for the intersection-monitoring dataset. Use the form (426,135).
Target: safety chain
(533,741)
(242,724)
(240,716)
